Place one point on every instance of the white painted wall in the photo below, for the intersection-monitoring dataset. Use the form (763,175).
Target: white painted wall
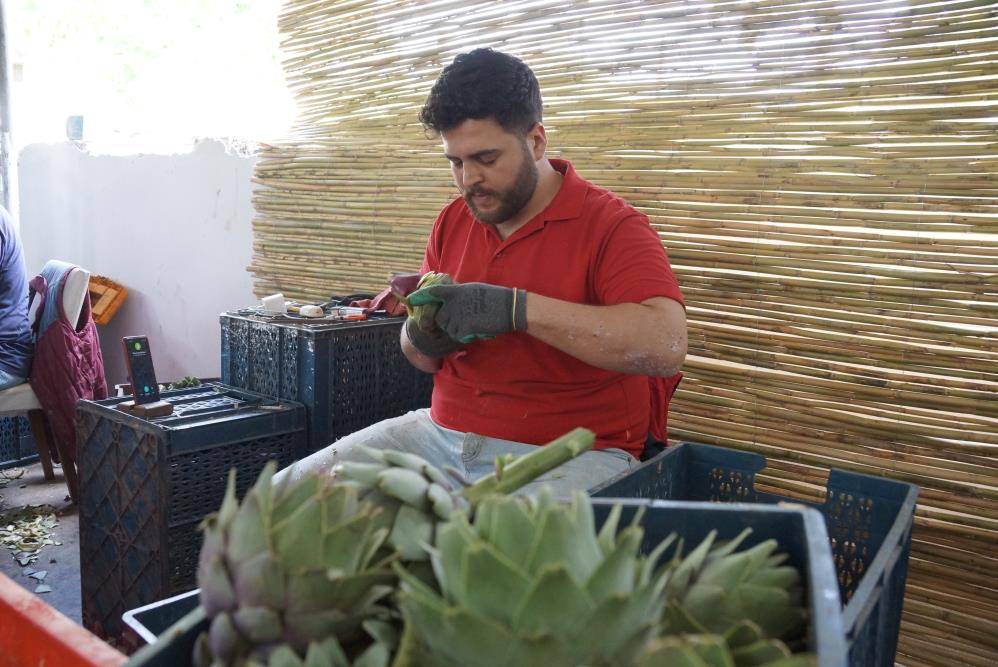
(174,229)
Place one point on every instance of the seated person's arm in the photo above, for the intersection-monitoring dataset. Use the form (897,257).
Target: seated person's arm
(647,338)
(421,361)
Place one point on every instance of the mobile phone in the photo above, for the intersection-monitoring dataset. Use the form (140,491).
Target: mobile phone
(138,358)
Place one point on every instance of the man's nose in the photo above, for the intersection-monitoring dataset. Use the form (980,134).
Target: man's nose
(470,176)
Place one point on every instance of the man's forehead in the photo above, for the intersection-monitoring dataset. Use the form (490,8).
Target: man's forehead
(475,136)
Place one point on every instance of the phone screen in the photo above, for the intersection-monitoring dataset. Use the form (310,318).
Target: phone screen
(139,359)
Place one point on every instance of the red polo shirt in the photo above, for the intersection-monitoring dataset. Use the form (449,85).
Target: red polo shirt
(588,246)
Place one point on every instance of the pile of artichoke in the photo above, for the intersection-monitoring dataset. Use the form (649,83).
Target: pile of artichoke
(395,563)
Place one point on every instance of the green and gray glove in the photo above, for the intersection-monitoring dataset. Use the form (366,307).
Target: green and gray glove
(436,343)
(475,310)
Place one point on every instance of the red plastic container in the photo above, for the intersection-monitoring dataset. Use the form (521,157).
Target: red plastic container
(34,634)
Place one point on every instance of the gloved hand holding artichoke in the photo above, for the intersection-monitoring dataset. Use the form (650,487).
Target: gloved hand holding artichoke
(421,327)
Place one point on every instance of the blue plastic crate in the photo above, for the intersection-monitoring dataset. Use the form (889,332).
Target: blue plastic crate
(145,485)
(868,519)
(800,532)
(17,443)
(348,375)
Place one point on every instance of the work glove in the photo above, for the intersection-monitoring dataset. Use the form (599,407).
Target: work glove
(475,310)
(436,343)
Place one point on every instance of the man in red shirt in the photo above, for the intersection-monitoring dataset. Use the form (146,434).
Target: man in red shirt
(564,304)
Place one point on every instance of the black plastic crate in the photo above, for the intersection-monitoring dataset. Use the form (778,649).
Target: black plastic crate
(348,375)
(145,485)
(17,443)
(799,531)
(868,519)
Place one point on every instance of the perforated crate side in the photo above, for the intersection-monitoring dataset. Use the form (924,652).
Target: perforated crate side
(261,357)
(265,366)
(121,520)
(10,447)
(370,379)
(235,352)
(869,523)
(17,443)
(140,508)
(690,472)
(197,485)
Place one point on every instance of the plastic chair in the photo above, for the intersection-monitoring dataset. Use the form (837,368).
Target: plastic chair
(21,400)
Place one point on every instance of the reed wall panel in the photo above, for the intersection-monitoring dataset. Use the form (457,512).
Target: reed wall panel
(823,173)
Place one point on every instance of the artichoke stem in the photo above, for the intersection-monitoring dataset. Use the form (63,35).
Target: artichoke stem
(527,468)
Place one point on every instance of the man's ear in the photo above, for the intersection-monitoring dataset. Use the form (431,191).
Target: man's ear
(537,141)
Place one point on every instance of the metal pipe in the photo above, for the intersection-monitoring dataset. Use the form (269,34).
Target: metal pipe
(6,144)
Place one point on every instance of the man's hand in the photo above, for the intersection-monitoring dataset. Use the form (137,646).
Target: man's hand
(475,310)
(436,344)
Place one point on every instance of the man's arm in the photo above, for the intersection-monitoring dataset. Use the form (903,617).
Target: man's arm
(417,358)
(647,338)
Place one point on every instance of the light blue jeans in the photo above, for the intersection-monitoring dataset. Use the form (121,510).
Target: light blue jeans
(470,454)
(7,380)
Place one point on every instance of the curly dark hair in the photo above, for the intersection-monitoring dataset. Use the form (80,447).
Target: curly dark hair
(484,84)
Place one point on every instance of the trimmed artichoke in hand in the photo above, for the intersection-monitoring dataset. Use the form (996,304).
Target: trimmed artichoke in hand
(531,583)
(423,315)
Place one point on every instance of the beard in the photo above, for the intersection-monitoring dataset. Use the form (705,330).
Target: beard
(512,199)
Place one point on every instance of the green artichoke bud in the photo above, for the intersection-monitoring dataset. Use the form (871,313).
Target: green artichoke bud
(530,582)
(289,569)
(404,284)
(414,496)
(713,589)
(686,651)
(325,653)
(716,651)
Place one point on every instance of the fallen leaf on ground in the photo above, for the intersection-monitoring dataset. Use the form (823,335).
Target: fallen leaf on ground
(26,530)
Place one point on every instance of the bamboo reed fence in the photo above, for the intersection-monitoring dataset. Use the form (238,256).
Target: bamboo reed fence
(824,174)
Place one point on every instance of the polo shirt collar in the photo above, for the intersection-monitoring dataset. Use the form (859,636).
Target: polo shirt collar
(567,204)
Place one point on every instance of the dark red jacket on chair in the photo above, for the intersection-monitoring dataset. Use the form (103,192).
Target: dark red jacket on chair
(68,366)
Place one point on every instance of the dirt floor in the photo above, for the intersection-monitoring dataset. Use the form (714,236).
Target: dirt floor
(21,487)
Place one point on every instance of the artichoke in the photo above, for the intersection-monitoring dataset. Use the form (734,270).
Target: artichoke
(717,651)
(531,583)
(686,651)
(402,285)
(714,589)
(415,496)
(288,569)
